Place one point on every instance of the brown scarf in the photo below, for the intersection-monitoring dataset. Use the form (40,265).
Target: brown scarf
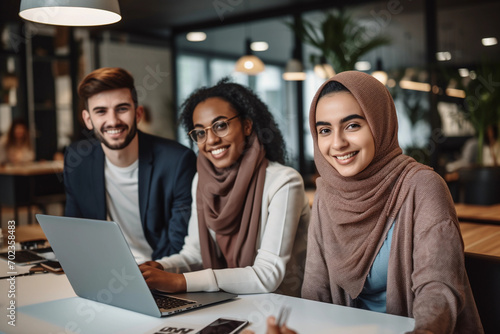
(229,202)
(357,208)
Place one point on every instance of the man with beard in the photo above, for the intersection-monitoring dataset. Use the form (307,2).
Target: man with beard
(142,182)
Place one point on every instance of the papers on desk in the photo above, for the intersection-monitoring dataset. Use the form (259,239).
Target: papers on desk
(177,327)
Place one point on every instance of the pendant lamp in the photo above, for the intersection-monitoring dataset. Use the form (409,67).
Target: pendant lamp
(323,69)
(379,73)
(249,63)
(294,70)
(71,12)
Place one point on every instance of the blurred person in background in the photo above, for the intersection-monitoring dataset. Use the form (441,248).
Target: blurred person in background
(15,145)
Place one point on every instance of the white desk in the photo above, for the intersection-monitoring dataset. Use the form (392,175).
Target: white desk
(46,303)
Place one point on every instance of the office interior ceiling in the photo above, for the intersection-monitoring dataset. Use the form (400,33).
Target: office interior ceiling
(461,24)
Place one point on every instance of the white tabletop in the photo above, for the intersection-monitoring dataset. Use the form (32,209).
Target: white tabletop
(46,303)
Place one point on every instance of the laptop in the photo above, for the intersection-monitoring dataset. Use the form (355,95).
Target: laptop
(100,266)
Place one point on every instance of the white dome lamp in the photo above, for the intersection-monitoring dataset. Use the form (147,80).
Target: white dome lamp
(71,13)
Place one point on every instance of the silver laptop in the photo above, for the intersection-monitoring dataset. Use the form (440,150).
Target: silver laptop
(100,267)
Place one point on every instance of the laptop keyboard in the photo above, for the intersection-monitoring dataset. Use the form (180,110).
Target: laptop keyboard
(167,302)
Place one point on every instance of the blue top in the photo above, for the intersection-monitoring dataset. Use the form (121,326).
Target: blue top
(373,295)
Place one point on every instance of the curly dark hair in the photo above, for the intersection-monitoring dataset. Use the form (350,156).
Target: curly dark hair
(248,105)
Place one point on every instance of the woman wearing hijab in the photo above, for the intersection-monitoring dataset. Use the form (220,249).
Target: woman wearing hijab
(384,235)
(247,232)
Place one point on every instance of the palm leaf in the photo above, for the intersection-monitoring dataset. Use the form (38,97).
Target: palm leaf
(340,39)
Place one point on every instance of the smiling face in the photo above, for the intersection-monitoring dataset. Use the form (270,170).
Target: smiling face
(222,152)
(113,117)
(344,136)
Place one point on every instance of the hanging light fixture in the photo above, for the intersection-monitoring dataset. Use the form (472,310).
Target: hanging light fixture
(323,69)
(294,70)
(71,13)
(259,46)
(196,36)
(362,65)
(249,63)
(379,73)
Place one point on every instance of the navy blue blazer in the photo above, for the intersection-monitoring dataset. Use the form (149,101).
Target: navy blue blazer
(166,171)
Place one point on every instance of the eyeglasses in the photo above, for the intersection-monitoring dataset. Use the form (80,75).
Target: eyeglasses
(219,128)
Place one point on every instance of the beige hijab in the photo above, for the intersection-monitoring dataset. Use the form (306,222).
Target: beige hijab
(229,202)
(358,208)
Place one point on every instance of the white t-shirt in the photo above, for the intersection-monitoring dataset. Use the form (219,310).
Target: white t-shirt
(122,199)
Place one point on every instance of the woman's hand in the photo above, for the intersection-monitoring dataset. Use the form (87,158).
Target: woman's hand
(161,280)
(272,328)
(153,264)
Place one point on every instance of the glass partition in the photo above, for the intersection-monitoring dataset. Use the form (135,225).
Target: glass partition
(427,99)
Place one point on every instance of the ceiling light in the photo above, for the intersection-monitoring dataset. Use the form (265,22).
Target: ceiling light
(362,66)
(71,13)
(249,63)
(294,76)
(259,46)
(463,72)
(294,71)
(324,70)
(380,74)
(452,89)
(196,36)
(443,56)
(455,92)
(489,41)
(413,85)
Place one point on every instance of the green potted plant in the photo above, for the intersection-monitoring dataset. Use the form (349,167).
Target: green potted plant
(340,39)
(480,183)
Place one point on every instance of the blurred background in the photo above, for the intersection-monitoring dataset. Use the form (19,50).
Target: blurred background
(429,51)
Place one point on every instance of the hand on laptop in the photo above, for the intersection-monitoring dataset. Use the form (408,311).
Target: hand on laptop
(153,264)
(161,280)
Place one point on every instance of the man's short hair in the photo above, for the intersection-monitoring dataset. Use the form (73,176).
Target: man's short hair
(106,78)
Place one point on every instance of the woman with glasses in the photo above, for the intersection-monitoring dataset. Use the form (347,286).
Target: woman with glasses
(247,232)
